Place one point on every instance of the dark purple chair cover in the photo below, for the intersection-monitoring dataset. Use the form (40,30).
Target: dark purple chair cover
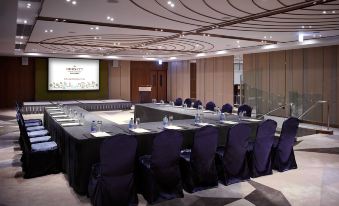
(38,159)
(227,108)
(245,108)
(210,106)
(197,166)
(159,175)
(112,180)
(197,103)
(188,102)
(260,161)
(178,102)
(232,160)
(283,154)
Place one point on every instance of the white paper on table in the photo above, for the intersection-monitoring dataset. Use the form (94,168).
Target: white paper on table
(229,122)
(100,134)
(173,127)
(204,124)
(65,120)
(253,120)
(207,111)
(52,113)
(140,130)
(55,109)
(70,124)
(59,116)
(191,108)
(178,106)
(158,103)
(51,108)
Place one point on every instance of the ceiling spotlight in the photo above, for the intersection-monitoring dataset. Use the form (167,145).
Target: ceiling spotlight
(333,12)
(239,41)
(160,62)
(324,12)
(172,58)
(169,2)
(92,28)
(46,31)
(108,17)
(201,54)
(22,37)
(56,19)
(221,52)
(51,30)
(270,37)
(303,27)
(111,19)
(74,2)
(301,38)
(172,5)
(265,37)
(238,46)
(68,0)
(25,21)
(208,35)
(29,5)
(96,28)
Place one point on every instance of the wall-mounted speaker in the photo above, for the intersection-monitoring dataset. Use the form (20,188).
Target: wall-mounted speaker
(115,64)
(24,61)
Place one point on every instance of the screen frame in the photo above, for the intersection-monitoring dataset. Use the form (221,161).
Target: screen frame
(69,90)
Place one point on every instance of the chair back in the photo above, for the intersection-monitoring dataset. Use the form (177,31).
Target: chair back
(117,155)
(210,106)
(227,108)
(236,148)
(188,102)
(178,102)
(203,152)
(197,103)
(245,108)
(165,158)
(287,137)
(263,143)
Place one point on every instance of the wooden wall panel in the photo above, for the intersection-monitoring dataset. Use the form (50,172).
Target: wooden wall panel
(17,82)
(249,79)
(228,80)
(186,80)
(209,87)
(193,80)
(125,83)
(277,81)
(337,88)
(330,83)
(201,80)
(313,82)
(218,81)
(114,82)
(179,76)
(262,82)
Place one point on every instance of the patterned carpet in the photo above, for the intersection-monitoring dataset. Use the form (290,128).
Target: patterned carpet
(315,182)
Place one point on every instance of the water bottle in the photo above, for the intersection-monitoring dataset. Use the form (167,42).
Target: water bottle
(197,118)
(222,117)
(165,121)
(131,124)
(93,126)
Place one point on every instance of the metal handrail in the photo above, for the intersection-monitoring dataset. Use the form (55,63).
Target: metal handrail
(282,106)
(313,106)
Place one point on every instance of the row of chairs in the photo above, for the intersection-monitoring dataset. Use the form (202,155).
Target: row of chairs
(39,151)
(228,108)
(168,170)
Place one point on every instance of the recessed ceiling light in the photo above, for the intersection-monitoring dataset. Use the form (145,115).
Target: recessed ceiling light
(201,54)
(221,52)
(265,37)
(172,5)
(22,37)
(238,46)
(310,27)
(46,31)
(108,17)
(68,0)
(96,28)
(270,37)
(25,21)
(74,2)
(56,19)
(302,26)
(239,41)
(169,2)
(333,12)
(51,30)
(111,19)
(29,5)
(324,12)
(92,28)
(172,58)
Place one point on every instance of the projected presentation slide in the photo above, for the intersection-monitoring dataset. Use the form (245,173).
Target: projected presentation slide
(73,74)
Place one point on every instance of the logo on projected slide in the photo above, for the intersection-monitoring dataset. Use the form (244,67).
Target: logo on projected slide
(74,70)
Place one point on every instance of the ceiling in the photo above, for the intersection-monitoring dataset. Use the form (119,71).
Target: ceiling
(168,30)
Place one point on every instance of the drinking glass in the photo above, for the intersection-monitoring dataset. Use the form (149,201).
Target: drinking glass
(162,102)
(99,124)
(170,119)
(154,101)
(137,122)
(185,106)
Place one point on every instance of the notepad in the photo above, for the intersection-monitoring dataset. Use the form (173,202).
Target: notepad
(140,130)
(173,127)
(70,124)
(229,122)
(52,113)
(100,134)
(66,120)
(60,116)
(253,120)
(204,124)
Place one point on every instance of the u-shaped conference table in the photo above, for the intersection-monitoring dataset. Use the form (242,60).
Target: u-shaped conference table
(79,150)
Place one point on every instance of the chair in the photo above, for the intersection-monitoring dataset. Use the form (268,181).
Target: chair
(260,156)
(210,106)
(159,173)
(178,102)
(227,108)
(39,158)
(188,102)
(232,160)
(245,108)
(197,103)
(283,154)
(112,180)
(29,122)
(197,166)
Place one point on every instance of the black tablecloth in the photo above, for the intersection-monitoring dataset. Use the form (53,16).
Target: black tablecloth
(79,150)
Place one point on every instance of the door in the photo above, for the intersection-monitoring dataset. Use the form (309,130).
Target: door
(159,85)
